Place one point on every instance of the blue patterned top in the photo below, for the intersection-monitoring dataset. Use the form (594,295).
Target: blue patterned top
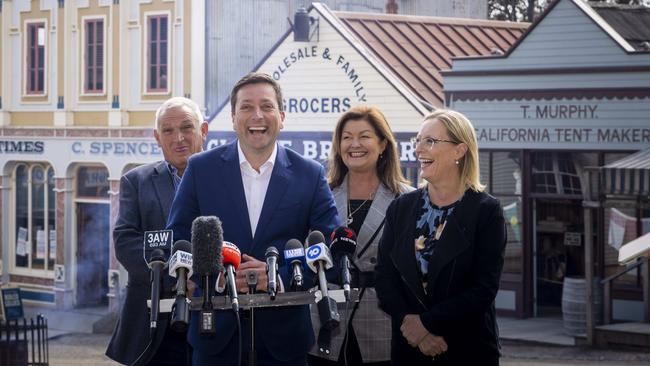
(428,230)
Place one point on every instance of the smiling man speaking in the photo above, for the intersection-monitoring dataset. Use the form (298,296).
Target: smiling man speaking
(264,194)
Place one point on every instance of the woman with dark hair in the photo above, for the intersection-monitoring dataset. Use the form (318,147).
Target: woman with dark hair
(441,254)
(365,176)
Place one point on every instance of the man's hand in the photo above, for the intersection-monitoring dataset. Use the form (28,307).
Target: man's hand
(251,264)
(432,345)
(191,286)
(413,330)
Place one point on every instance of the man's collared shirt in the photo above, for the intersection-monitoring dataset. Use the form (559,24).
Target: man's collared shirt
(255,184)
(176,179)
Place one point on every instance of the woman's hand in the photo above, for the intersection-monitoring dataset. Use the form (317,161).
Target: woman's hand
(413,330)
(432,345)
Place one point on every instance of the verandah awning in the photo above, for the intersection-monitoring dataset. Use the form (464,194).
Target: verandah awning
(628,176)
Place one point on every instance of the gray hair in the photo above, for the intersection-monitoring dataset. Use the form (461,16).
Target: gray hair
(178,102)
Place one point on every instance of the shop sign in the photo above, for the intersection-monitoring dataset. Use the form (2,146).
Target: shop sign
(315,145)
(564,135)
(116,148)
(12,303)
(324,56)
(573,239)
(21,147)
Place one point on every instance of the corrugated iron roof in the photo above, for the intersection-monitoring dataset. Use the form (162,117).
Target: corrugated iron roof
(417,48)
(631,22)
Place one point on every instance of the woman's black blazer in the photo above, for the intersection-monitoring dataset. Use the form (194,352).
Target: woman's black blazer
(462,281)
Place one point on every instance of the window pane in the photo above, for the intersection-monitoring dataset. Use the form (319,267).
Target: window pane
(22,217)
(513,253)
(163,53)
(163,77)
(90,32)
(163,28)
(153,29)
(152,77)
(154,54)
(99,25)
(506,174)
(51,219)
(99,77)
(484,166)
(38,217)
(92,182)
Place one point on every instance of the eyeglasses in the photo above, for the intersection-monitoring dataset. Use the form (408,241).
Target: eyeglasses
(428,142)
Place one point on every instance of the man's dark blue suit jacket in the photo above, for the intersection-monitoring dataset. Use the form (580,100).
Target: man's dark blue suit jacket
(298,200)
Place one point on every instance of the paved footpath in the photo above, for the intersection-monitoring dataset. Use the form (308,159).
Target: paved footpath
(88,350)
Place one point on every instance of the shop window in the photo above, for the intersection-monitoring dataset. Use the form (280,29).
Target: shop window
(512,213)
(484,167)
(506,172)
(157,62)
(555,173)
(92,182)
(35,62)
(94,56)
(35,230)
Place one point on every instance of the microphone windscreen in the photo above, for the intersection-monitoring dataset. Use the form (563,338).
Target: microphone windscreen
(207,241)
(231,254)
(182,245)
(293,249)
(315,237)
(157,255)
(271,251)
(344,241)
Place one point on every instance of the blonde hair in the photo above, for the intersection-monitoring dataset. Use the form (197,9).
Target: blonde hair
(388,167)
(461,130)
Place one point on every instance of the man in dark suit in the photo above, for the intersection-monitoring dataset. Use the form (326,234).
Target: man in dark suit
(146,194)
(264,195)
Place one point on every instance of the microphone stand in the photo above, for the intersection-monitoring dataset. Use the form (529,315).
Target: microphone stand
(251,280)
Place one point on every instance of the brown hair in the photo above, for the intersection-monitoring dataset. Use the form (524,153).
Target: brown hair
(388,167)
(255,78)
(461,130)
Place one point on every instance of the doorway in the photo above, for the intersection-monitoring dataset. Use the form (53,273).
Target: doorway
(92,254)
(558,250)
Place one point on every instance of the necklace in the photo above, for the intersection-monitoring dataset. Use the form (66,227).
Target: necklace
(350,214)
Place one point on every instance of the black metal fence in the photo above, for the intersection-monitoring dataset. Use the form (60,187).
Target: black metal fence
(24,343)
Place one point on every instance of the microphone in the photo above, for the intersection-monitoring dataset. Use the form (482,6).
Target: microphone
(156,263)
(272,256)
(207,240)
(231,261)
(180,266)
(343,246)
(319,259)
(294,254)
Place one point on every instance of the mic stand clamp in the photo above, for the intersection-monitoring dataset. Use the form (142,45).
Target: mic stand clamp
(251,281)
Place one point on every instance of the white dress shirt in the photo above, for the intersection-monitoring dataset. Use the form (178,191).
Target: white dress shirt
(255,184)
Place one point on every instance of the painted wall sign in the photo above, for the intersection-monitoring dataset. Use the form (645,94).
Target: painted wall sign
(21,147)
(117,148)
(316,145)
(584,124)
(325,56)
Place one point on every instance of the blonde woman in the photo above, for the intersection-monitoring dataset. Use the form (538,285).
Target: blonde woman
(441,254)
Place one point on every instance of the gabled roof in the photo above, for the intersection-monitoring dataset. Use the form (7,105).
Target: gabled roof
(415,49)
(631,22)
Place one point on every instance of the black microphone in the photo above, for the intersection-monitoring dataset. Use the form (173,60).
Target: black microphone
(180,267)
(156,263)
(319,259)
(272,255)
(343,247)
(207,240)
(294,254)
